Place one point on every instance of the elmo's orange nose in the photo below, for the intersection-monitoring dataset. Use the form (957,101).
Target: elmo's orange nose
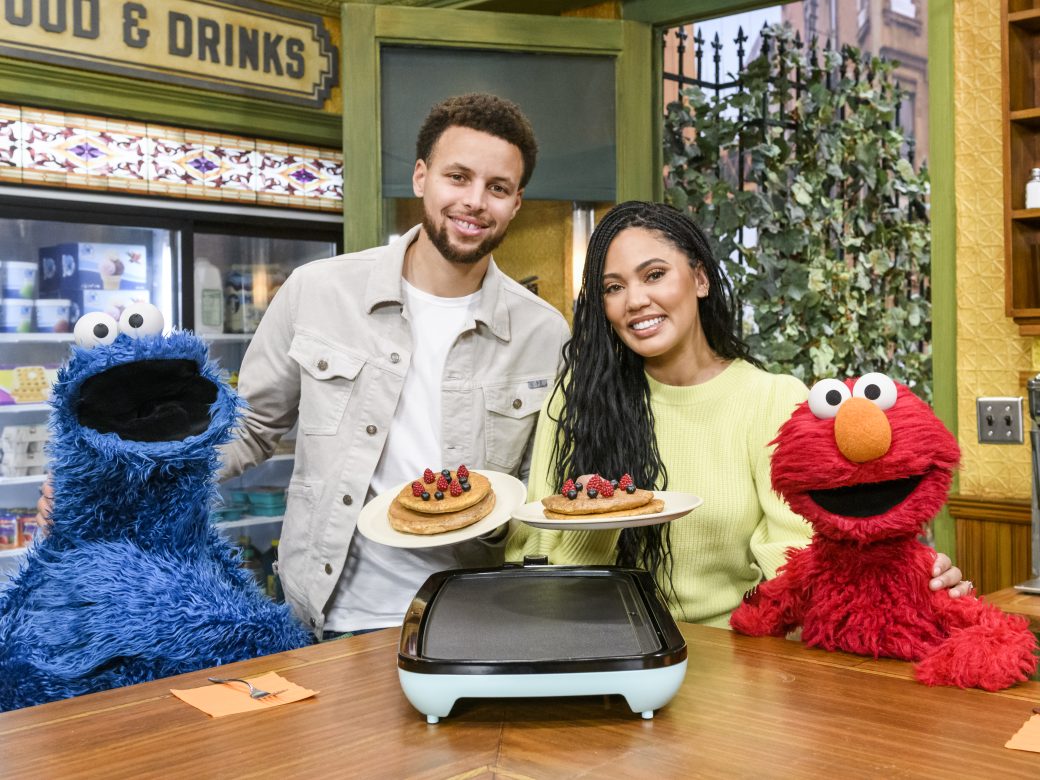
(861,431)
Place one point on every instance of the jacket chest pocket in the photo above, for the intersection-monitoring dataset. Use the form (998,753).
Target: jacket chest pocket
(327,379)
(510,414)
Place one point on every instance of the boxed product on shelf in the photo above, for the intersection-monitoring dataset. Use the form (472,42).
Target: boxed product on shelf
(26,384)
(55,315)
(13,435)
(16,315)
(9,538)
(27,526)
(68,268)
(18,279)
(22,458)
(111,302)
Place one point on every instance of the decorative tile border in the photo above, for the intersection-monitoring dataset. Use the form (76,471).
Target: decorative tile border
(54,149)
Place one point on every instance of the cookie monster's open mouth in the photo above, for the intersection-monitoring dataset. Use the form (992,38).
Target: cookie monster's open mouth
(866,500)
(148,400)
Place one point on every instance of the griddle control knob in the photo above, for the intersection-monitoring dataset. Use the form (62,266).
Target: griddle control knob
(536,560)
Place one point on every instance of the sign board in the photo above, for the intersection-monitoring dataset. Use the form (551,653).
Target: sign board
(242,47)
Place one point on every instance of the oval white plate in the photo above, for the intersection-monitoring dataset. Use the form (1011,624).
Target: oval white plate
(373,522)
(675,505)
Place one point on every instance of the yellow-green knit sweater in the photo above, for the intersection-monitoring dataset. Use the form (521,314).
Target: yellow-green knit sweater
(714,440)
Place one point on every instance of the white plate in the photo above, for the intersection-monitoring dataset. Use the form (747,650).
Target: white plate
(373,522)
(675,505)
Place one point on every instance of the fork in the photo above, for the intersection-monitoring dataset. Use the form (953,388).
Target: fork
(254,692)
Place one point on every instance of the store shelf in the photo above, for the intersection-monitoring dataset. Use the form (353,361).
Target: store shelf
(23,408)
(247,521)
(35,338)
(14,553)
(228,337)
(35,479)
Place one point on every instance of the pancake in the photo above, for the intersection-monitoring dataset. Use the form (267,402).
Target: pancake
(583,505)
(654,506)
(479,488)
(408,521)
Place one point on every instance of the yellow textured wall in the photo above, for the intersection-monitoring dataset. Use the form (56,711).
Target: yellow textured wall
(990,353)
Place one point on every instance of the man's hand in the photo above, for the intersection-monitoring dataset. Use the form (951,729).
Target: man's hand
(946,575)
(44,506)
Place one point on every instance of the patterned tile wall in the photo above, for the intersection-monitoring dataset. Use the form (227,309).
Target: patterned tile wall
(991,355)
(55,149)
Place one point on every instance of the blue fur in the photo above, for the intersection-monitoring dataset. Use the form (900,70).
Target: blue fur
(132,583)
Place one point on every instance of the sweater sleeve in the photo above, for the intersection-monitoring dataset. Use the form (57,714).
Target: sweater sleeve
(577,548)
(779,528)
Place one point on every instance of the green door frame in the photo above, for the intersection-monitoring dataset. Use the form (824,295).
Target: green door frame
(367,27)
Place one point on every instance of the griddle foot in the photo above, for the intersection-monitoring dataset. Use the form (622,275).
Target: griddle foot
(648,714)
(435,719)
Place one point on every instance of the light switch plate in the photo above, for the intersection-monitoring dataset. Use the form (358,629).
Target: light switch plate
(999,420)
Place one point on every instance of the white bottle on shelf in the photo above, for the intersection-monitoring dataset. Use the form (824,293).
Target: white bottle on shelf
(209,298)
(1033,189)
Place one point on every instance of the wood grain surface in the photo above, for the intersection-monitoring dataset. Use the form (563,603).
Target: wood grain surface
(748,708)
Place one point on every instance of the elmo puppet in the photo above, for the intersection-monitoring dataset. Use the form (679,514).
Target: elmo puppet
(868,464)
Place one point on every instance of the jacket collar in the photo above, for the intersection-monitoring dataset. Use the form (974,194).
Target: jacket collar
(384,286)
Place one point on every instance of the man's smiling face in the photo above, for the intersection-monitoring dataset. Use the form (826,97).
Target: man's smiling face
(470,187)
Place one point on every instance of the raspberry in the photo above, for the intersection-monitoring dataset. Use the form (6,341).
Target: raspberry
(455,489)
(625,481)
(417,488)
(442,482)
(606,489)
(568,486)
(462,472)
(427,476)
(594,482)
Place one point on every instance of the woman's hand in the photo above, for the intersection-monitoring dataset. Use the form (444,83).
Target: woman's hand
(44,505)
(946,575)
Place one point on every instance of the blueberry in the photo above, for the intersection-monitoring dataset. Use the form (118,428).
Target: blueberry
(438,495)
(425,496)
(572,494)
(465,487)
(614,483)
(592,492)
(446,473)
(630,489)
(577,486)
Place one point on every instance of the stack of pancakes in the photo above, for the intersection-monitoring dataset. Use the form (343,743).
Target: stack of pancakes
(621,504)
(410,514)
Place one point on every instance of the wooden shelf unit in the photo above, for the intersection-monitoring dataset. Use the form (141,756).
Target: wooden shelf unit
(1020,39)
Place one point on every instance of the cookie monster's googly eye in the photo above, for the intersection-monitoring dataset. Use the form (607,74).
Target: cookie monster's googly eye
(876,388)
(826,396)
(95,329)
(140,319)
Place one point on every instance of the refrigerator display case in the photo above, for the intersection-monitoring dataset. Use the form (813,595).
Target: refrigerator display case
(212,269)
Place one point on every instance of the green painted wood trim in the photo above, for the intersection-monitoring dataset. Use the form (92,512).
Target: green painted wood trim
(944,234)
(66,89)
(479,29)
(362,206)
(670,12)
(636,142)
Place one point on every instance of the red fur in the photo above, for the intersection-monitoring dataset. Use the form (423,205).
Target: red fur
(862,585)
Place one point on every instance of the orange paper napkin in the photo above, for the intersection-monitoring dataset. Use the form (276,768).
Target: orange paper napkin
(1027,737)
(220,699)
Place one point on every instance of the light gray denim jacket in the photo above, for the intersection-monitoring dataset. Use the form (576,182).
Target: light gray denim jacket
(332,351)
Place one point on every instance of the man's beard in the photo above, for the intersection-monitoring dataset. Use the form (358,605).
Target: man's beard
(450,253)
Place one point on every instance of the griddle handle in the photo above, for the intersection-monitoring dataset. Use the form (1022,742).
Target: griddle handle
(536,560)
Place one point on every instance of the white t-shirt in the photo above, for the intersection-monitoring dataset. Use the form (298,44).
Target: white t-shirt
(378,582)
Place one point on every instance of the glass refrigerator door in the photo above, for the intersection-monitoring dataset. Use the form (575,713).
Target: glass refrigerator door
(53,272)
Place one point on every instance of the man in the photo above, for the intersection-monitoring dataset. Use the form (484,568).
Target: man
(395,359)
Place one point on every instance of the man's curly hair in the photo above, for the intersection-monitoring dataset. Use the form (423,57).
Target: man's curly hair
(486,113)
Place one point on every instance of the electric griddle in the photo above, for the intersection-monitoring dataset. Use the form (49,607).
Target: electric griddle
(539,630)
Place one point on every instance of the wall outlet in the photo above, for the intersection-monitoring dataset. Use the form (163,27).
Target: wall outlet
(999,420)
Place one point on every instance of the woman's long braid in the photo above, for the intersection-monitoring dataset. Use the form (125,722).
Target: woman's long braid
(606,425)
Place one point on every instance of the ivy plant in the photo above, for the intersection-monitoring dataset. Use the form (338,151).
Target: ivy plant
(802,179)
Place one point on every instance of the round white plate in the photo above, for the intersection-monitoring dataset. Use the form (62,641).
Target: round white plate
(675,505)
(373,522)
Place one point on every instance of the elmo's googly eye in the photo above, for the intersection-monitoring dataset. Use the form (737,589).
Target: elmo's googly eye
(95,329)
(140,319)
(876,388)
(826,396)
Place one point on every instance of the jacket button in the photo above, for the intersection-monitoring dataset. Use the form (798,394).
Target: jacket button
(328,568)
(322,364)
(517,403)
(313,622)
(348,500)
(371,430)
(395,358)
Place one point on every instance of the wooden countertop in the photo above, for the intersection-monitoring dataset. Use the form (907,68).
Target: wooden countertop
(748,707)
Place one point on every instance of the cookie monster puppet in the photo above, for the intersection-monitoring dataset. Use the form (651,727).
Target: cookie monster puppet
(868,464)
(132,582)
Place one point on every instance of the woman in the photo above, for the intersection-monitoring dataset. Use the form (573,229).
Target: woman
(658,385)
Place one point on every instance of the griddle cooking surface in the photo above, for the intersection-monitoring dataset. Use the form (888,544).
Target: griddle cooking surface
(537,618)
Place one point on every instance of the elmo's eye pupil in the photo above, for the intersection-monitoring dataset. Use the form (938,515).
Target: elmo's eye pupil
(100,330)
(136,320)
(872,392)
(833,397)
